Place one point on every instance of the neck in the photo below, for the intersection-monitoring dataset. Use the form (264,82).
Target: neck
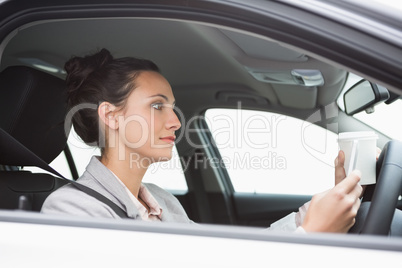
(129,173)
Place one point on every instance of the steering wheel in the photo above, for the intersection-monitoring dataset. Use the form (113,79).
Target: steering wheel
(387,190)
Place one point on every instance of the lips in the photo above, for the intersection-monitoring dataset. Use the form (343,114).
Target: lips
(169,139)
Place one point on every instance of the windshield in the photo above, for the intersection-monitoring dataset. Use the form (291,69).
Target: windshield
(384,119)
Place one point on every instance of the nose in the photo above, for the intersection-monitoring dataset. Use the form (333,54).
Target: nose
(173,122)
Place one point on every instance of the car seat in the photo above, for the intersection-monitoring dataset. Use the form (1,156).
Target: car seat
(32,110)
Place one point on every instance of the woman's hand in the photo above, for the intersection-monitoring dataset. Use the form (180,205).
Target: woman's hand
(335,210)
(340,173)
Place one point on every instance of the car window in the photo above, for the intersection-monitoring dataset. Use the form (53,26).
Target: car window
(168,175)
(271,153)
(391,126)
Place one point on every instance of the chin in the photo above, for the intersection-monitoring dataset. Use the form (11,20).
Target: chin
(164,159)
(163,156)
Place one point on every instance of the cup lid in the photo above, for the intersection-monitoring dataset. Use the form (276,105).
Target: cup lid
(357,135)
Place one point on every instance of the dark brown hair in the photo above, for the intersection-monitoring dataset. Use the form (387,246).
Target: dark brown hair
(97,78)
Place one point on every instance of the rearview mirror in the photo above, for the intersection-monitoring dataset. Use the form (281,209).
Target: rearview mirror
(363,96)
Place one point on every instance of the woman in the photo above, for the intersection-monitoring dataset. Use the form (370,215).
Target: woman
(135,120)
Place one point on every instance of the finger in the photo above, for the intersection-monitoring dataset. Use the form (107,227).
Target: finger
(340,173)
(356,205)
(341,158)
(378,153)
(352,223)
(355,208)
(357,191)
(349,183)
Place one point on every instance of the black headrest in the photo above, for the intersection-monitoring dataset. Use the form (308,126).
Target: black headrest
(33,107)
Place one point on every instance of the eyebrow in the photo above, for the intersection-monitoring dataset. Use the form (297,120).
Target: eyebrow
(161,95)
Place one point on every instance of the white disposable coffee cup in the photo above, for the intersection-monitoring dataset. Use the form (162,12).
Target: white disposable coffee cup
(360,153)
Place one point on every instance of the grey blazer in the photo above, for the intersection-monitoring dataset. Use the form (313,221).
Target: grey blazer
(69,200)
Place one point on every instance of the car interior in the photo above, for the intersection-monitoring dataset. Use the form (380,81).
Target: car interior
(26,90)
(208,67)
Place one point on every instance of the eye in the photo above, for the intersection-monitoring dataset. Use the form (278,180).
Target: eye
(157,106)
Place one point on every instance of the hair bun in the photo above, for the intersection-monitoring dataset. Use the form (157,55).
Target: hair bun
(79,68)
(97,78)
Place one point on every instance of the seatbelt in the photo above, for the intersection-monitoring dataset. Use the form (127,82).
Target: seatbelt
(13,153)
(196,184)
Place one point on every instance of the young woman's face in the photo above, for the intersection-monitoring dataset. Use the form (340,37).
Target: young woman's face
(148,123)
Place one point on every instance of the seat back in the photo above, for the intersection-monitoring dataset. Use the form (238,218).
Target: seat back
(26,190)
(32,110)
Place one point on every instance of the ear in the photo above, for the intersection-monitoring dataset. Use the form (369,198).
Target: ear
(108,115)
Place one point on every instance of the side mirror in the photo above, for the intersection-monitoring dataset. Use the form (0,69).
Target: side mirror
(363,96)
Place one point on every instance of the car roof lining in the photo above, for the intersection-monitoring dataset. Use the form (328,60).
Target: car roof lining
(181,49)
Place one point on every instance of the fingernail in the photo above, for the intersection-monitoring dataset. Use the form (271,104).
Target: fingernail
(357,173)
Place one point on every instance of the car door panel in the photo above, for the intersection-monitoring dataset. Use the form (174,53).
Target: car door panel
(263,209)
